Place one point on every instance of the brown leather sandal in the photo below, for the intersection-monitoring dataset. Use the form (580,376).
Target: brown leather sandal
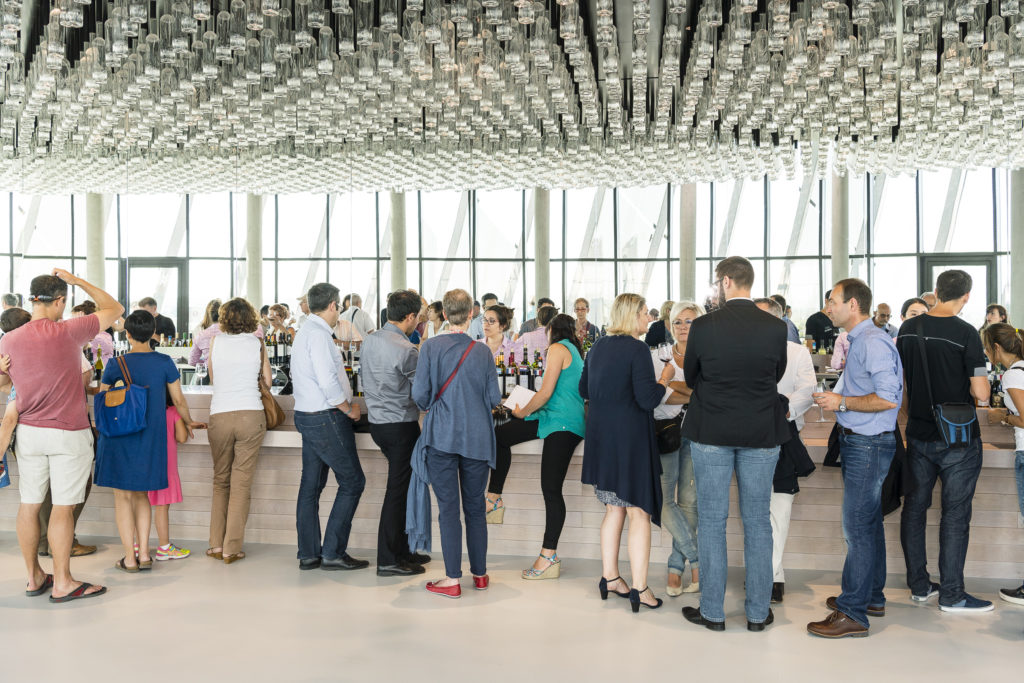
(125,568)
(210,552)
(228,559)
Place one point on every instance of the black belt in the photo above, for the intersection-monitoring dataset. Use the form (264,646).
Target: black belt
(850,432)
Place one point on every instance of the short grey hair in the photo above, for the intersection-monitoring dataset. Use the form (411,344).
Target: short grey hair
(11,300)
(774,307)
(457,304)
(320,296)
(680,306)
(355,300)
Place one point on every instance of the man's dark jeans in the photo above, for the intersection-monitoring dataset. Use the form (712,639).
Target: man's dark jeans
(865,462)
(328,443)
(396,441)
(958,469)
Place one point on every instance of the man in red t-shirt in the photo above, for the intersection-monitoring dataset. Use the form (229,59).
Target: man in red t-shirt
(54,438)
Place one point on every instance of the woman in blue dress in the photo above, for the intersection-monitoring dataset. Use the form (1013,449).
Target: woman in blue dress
(136,463)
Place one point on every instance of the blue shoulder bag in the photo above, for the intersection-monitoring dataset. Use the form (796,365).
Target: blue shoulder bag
(953,420)
(121,411)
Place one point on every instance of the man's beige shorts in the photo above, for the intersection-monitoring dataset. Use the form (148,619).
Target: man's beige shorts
(55,459)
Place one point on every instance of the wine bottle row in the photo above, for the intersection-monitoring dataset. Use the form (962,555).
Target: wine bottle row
(526,374)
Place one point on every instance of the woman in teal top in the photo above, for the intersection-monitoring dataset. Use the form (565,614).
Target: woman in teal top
(554,414)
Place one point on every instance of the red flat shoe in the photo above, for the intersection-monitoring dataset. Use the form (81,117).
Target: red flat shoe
(445,591)
(481,582)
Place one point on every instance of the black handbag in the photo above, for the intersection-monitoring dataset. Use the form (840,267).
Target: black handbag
(669,434)
(953,420)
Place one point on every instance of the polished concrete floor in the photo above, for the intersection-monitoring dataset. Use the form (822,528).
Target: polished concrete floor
(263,620)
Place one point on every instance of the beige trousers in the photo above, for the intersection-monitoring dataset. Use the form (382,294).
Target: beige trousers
(235,440)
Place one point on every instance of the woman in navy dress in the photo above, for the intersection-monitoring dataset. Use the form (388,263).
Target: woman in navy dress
(136,463)
(620,453)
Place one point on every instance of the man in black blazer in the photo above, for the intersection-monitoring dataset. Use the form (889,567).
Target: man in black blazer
(735,358)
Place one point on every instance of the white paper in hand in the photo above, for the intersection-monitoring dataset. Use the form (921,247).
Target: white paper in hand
(520,395)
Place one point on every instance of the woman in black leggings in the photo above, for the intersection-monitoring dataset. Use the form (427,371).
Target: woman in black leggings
(554,414)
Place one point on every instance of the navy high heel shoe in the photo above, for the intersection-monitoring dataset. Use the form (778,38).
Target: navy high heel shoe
(635,602)
(603,587)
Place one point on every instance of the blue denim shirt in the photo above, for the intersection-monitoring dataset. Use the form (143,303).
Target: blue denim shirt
(873,366)
(793,333)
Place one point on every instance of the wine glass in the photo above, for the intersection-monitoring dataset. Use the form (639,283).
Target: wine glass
(821,389)
(200,373)
(665,352)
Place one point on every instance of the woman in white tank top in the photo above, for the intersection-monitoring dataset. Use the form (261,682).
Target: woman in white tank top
(237,424)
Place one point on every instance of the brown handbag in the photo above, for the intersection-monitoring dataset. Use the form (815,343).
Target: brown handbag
(271,410)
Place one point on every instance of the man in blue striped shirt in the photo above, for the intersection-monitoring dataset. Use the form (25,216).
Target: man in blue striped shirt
(865,401)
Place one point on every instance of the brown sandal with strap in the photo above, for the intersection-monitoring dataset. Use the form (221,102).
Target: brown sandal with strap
(214,554)
(125,568)
(228,559)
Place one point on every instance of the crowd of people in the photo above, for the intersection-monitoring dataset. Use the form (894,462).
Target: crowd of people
(668,411)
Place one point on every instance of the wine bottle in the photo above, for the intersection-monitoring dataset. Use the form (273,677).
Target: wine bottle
(502,377)
(513,371)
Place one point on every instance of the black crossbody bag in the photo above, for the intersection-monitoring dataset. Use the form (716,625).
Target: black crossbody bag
(953,420)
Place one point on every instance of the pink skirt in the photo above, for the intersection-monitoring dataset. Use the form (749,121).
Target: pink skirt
(171,494)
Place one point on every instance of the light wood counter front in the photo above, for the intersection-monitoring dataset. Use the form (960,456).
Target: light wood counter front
(815,540)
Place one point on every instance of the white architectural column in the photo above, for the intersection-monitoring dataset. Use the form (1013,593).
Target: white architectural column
(398,242)
(688,242)
(254,249)
(95,244)
(840,230)
(541,243)
(1016,303)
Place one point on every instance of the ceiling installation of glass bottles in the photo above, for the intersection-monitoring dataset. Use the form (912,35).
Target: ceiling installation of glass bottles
(289,95)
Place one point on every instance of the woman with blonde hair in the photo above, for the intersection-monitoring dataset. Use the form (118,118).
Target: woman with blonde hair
(620,456)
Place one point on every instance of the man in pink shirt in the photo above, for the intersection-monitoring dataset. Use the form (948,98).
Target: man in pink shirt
(54,437)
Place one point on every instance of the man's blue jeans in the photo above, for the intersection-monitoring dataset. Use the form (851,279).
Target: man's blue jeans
(328,443)
(958,469)
(754,467)
(865,462)
(679,507)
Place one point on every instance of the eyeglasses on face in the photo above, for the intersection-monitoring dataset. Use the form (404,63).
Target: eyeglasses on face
(490,321)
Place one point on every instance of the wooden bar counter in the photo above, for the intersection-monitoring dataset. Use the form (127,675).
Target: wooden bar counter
(815,539)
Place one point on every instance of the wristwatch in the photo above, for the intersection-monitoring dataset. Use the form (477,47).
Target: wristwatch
(842,405)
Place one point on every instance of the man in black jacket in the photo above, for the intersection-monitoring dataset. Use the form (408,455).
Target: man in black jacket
(735,358)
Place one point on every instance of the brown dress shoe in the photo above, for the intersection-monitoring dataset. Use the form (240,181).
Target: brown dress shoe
(873,610)
(77,550)
(837,625)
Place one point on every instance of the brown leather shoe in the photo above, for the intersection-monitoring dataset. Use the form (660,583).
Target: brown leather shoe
(77,550)
(837,625)
(873,610)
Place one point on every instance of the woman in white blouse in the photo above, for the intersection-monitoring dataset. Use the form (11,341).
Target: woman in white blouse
(679,493)
(237,424)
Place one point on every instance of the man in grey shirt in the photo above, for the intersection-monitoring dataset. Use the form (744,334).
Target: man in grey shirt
(388,367)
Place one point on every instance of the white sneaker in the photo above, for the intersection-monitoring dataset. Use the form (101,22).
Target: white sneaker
(693,588)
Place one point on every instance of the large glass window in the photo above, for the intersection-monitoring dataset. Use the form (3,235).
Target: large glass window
(603,241)
(895,227)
